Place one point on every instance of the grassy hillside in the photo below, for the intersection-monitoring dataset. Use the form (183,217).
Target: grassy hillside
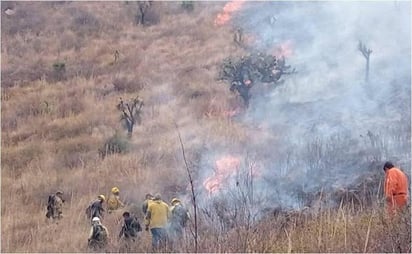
(54,123)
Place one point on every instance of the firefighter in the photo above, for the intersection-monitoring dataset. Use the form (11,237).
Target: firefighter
(114,202)
(55,206)
(396,188)
(178,221)
(130,228)
(95,209)
(156,220)
(146,203)
(98,235)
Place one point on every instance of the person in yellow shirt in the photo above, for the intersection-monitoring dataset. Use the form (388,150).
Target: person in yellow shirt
(157,218)
(114,202)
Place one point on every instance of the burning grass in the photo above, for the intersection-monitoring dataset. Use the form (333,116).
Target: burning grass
(52,132)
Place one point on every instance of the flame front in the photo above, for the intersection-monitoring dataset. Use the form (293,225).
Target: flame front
(224,168)
(228,10)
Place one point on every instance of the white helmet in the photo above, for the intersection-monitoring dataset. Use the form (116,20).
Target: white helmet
(95,219)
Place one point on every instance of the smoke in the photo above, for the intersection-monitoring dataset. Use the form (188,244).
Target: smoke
(331,126)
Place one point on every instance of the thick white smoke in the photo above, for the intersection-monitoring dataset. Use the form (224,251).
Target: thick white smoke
(331,125)
(329,90)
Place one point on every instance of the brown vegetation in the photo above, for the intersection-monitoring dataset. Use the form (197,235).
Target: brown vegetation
(56,127)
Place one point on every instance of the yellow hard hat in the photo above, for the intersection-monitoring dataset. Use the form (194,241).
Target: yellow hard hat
(102,197)
(115,190)
(175,200)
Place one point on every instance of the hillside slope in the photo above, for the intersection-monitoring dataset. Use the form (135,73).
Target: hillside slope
(55,124)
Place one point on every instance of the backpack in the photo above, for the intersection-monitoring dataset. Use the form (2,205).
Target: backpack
(136,225)
(99,233)
(133,227)
(180,215)
(89,211)
(50,205)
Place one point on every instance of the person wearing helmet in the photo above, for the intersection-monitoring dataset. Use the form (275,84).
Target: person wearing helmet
(131,227)
(55,206)
(178,221)
(98,235)
(146,203)
(114,203)
(95,209)
(156,219)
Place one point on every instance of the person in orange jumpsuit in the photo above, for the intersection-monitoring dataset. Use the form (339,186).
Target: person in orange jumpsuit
(396,188)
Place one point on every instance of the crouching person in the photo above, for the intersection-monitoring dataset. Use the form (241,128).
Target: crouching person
(97,240)
(130,228)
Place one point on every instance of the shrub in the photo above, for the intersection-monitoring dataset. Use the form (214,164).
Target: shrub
(188,5)
(59,71)
(146,13)
(27,18)
(115,144)
(84,23)
(127,85)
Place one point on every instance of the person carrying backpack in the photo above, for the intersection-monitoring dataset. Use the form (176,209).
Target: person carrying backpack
(95,209)
(146,203)
(98,235)
(130,228)
(178,221)
(55,206)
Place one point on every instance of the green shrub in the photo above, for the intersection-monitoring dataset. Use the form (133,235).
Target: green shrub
(59,71)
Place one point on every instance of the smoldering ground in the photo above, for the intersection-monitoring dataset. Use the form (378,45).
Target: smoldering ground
(330,128)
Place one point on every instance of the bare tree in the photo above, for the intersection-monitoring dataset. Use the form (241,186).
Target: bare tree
(116,56)
(131,113)
(366,53)
(143,7)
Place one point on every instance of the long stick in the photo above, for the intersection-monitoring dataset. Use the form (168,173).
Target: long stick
(191,184)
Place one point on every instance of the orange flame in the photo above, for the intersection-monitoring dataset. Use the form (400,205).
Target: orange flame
(226,15)
(226,113)
(285,49)
(225,168)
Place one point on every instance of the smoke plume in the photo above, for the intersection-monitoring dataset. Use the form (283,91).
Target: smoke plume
(330,125)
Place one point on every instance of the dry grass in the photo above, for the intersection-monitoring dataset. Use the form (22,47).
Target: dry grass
(52,129)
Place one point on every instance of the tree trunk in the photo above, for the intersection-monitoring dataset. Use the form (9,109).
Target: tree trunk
(129,128)
(367,70)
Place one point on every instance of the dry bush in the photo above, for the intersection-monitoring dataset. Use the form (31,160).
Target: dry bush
(75,152)
(69,127)
(24,75)
(115,144)
(56,147)
(70,105)
(28,18)
(128,85)
(18,158)
(69,40)
(84,23)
